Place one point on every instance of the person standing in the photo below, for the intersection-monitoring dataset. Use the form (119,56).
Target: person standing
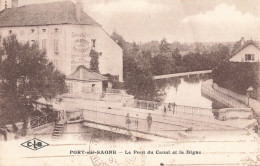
(164,110)
(173,108)
(149,121)
(169,107)
(256,128)
(127,120)
(136,120)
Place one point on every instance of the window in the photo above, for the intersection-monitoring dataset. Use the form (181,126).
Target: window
(32,30)
(93,87)
(43,30)
(21,32)
(70,88)
(10,32)
(33,42)
(56,30)
(44,44)
(93,43)
(56,64)
(56,45)
(249,57)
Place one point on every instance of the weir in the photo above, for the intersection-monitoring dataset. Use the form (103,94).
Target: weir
(181,74)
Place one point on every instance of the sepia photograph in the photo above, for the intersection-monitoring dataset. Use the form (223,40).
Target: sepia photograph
(129,82)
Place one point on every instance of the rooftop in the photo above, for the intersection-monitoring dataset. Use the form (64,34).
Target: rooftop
(246,43)
(87,75)
(54,13)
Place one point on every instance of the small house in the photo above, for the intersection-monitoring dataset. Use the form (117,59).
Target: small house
(247,51)
(82,80)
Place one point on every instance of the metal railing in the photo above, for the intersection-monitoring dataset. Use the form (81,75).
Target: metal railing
(209,91)
(38,121)
(133,123)
(194,111)
(148,105)
(175,109)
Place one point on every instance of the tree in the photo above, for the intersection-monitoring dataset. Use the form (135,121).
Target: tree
(138,74)
(94,63)
(26,75)
(164,46)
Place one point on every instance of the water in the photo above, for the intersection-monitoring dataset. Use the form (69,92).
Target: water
(186,91)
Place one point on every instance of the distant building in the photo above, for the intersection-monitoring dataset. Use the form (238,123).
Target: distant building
(86,81)
(246,51)
(66,32)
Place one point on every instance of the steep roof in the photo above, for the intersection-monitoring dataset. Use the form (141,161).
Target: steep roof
(54,13)
(247,43)
(87,75)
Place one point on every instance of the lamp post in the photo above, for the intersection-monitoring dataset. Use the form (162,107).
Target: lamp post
(248,93)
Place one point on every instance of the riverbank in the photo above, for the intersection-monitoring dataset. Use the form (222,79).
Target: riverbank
(208,91)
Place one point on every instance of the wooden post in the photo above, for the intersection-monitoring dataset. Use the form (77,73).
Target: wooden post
(29,123)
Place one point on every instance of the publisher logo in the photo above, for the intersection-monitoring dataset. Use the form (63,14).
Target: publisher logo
(34,144)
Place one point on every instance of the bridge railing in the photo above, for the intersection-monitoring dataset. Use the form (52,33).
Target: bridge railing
(148,105)
(139,124)
(209,91)
(177,109)
(194,111)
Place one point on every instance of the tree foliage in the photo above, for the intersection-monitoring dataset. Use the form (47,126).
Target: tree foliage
(26,75)
(142,62)
(94,61)
(237,76)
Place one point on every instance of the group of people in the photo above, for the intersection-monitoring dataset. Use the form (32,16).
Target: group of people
(170,108)
(149,120)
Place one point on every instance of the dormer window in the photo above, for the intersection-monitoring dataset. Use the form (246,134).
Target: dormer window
(32,30)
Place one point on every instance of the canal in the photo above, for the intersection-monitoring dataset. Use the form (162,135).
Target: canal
(186,91)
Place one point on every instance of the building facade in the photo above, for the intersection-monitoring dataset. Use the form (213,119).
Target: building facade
(248,51)
(67,34)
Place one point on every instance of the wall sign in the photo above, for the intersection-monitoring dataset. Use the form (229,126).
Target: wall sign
(80,50)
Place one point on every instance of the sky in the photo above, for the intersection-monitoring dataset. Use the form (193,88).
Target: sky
(175,20)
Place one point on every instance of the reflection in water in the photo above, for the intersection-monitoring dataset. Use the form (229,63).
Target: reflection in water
(185,91)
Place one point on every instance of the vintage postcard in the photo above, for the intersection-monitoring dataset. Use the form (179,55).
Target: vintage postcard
(129,83)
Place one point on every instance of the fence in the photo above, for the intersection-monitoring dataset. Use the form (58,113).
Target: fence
(194,111)
(38,121)
(207,90)
(252,103)
(143,104)
(133,123)
(177,109)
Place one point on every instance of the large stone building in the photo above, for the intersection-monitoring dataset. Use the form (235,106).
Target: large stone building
(66,32)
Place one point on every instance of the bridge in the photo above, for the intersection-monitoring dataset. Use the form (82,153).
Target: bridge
(181,74)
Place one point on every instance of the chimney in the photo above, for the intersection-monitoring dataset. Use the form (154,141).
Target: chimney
(79,9)
(242,41)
